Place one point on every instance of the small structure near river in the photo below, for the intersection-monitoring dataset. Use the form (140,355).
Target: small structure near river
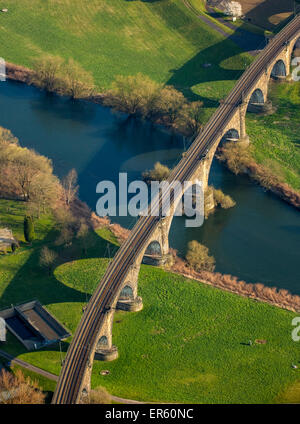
(7,240)
(33,325)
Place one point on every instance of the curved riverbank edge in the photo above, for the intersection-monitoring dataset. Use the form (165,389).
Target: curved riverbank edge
(281,189)
(280,298)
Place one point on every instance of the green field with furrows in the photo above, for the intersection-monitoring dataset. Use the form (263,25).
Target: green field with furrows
(190,343)
(162,39)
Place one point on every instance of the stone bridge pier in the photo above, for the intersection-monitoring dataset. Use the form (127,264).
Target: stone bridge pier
(157,247)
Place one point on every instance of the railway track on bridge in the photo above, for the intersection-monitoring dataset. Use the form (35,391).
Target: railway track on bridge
(79,356)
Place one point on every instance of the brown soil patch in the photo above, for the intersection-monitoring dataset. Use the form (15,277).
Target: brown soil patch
(267,13)
(264,13)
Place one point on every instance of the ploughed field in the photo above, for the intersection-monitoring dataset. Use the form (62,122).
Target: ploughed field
(190,343)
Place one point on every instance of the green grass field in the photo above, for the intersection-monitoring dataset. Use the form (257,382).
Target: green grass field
(276,137)
(162,39)
(188,344)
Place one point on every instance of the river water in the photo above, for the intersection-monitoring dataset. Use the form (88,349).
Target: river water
(258,240)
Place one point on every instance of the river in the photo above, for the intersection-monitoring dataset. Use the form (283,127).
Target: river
(258,240)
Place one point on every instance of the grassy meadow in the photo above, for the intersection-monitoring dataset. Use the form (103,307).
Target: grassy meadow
(275,137)
(162,39)
(188,344)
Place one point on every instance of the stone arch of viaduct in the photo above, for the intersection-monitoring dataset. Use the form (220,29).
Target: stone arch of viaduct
(126,298)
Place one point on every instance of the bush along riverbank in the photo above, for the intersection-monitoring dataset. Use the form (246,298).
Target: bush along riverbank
(277,297)
(213,199)
(73,219)
(239,160)
(141,97)
(274,296)
(136,95)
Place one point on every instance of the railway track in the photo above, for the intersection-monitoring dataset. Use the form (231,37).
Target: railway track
(79,353)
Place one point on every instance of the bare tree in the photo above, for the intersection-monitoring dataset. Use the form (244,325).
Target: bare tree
(134,94)
(77,82)
(45,190)
(70,186)
(232,8)
(47,258)
(47,72)
(25,166)
(18,389)
(170,103)
(198,257)
(85,236)
(191,117)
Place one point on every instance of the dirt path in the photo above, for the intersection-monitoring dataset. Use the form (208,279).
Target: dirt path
(54,377)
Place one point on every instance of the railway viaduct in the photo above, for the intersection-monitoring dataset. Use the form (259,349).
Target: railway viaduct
(118,288)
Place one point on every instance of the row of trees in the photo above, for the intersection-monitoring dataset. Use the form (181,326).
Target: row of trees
(139,96)
(27,175)
(136,95)
(66,77)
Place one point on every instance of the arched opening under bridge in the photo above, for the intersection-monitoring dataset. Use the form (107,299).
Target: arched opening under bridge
(126,293)
(279,70)
(257,101)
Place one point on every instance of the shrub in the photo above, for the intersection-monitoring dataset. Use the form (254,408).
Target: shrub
(16,389)
(198,257)
(29,233)
(158,173)
(65,237)
(100,396)
(47,258)
(223,200)
(237,156)
(46,72)
(134,94)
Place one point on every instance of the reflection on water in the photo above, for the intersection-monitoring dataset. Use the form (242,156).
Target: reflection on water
(258,240)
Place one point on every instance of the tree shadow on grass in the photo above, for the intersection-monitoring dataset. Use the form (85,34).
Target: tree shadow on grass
(207,67)
(32,281)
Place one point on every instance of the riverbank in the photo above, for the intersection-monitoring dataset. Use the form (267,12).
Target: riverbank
(255,170)
(205,328)
(195,318)
(274,296)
